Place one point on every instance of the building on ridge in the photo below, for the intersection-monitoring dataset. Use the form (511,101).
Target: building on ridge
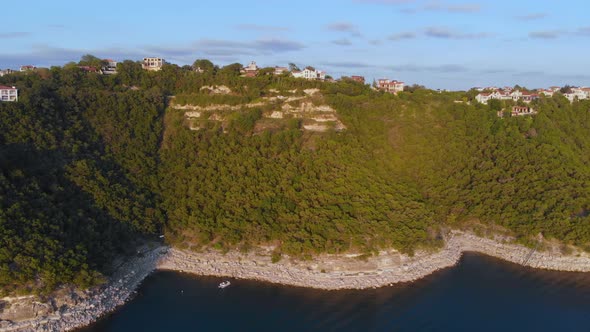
(281,70)
(110,67)
(360,79)
(27,68)
(251,70)
(8,93)
(153,64)
(310,73)
(390,86)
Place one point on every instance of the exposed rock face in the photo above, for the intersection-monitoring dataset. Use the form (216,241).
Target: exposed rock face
(276,115)
(221,89)
(317,118)
(24,308)
(194,114)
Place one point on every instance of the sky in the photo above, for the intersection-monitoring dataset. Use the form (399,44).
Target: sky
(442,44)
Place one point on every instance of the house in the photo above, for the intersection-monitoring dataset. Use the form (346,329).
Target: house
(577,94)
(390,86)
(153,64)
(484,97)
(310,73)
(251,70)
(27,68)
(546,92)
(522,110)
(110,67)
(281,70)
(360,79)
(8,93)
(527,97)
(514,95)
(88,69)
(6,72)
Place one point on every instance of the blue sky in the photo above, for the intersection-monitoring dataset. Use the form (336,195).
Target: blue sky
(438,43)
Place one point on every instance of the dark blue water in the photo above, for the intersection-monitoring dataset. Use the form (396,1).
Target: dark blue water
(479,294)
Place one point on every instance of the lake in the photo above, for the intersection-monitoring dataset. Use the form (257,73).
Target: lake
(479,294)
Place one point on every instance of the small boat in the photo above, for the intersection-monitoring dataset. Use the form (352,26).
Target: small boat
(224,284)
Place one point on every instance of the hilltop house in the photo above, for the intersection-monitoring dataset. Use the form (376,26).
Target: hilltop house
(8,93)
(88,69)
(6,72)
(546,92)
(522,110)
(519,111)
(153,64)
(508,94)
(281,70)
(251,70)
(390,86)
(484,97)
(310,73)
(27,68)
(360,79)
(578,93)
(110,67)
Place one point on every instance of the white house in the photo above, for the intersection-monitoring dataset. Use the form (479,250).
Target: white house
(546,92)
(27,68)
(153,64)
(310,73)
(391,86)
(251,70)
(8,93)
(110,68)
(577,93)
(484,97)
(6,72)
(515,95)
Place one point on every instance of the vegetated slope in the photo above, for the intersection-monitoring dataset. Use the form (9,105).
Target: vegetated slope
(75,183)
(528,174)
(231,183)
(90,163)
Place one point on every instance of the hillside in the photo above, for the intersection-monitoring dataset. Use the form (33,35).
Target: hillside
(90,164)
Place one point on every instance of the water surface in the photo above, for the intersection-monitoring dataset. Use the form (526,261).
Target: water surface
(479,294)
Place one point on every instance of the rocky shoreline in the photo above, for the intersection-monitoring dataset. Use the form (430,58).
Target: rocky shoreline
(330,272)
(86,307)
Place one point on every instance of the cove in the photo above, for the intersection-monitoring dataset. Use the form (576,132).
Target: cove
(481,293)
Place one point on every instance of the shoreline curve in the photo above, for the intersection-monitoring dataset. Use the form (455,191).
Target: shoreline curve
(328,272)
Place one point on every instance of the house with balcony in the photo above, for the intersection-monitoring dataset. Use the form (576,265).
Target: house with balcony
(390,86)
(514,95)
(153,64)
(251,70)
(281,70)
(310,73)
(110,67)
(6,72)
(360,79)
(8,93)
(88,69)
(27,68)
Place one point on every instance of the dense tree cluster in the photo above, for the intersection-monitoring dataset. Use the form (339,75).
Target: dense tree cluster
(90,163)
